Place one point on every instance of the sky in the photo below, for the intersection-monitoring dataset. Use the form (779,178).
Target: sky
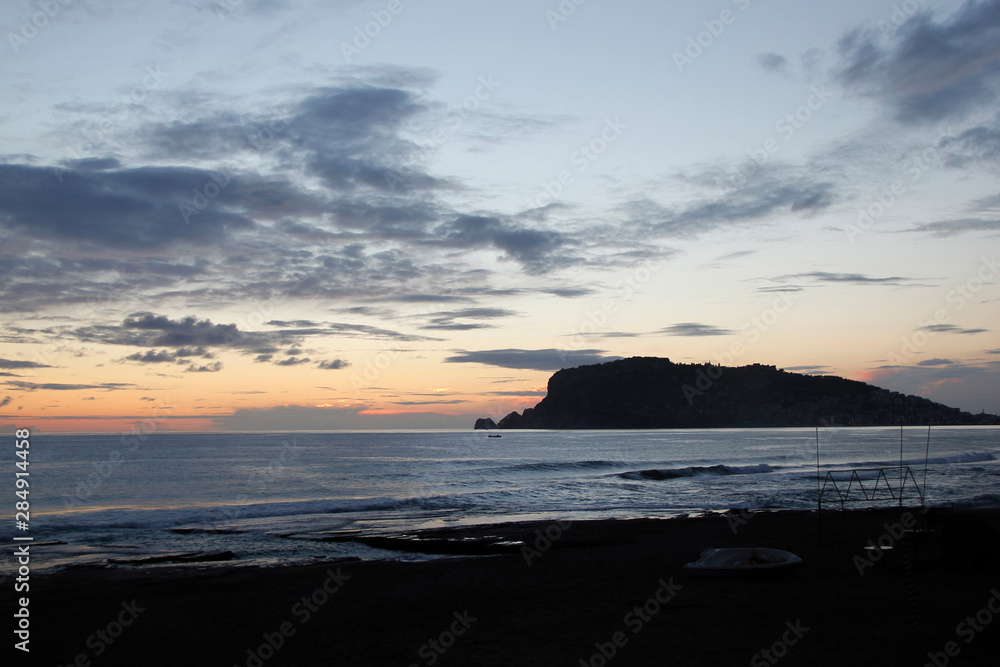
(296,214)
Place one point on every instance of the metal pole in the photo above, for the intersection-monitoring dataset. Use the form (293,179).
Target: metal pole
(819,496)
(927,453)
(901,478)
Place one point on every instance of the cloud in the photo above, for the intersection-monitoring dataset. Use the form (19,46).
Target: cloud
(931,68)
(293,361)
(610,334)
(736,255)
(355,147)
(974,146)
(537,360)
(769,190)
(181,340)
(308,327)
(990,203)
(58,277)
(15,363)
(851,278)
(423,298)
(153,357)
(695,329)
(457,326)
(772,62)
(346,136)
(944,228)
(780,288)
(955,384)
(986,207)
(283,200)
(308,214)
(538,251)
(333,364)
(142,207)
(384,218)
(189,336)
(935,362)
(57,386)
(5,401)
(266,8)
(569,292)
(95,164)
(950,328)
(168,356)
(210,368)
(160,330)
(187,331)
(451,320)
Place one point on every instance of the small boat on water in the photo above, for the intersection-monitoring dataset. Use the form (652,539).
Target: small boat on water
(494,436)
(743,562)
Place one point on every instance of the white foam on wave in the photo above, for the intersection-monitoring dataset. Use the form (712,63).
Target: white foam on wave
(693,471)
(965,457)
(219,514)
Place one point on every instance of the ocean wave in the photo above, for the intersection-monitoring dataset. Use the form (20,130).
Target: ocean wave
(222,515)
(964,457)
(692,471)
(557,466)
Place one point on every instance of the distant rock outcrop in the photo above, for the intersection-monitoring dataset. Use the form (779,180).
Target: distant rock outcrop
(516,420)
(486,423)
(650,392)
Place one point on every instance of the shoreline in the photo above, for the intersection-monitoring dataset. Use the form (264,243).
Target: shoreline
(553,593)
(467,430)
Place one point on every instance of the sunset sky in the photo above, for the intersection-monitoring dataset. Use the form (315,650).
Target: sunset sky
(296,214)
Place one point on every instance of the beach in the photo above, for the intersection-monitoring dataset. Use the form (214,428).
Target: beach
(558,593)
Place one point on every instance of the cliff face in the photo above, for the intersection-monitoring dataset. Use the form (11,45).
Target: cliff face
(649,392)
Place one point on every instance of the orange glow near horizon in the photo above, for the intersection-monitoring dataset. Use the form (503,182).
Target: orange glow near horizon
(40,425)
(114,396)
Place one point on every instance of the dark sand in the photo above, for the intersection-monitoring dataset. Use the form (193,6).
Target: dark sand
(572,599)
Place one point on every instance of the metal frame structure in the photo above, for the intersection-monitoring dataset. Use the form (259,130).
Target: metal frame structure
(870,495)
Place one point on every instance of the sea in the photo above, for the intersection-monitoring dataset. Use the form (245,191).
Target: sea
(272,499)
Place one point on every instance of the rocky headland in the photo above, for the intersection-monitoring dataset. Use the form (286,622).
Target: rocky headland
(651,392)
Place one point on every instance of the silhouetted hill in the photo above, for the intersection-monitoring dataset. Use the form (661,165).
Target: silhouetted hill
(649,392)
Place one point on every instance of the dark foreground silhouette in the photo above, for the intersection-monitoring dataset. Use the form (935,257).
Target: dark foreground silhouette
(556,593)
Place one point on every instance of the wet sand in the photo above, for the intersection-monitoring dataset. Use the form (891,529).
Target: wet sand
(591,593)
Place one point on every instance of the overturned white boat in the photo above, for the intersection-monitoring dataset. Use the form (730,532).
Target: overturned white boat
(743,562)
